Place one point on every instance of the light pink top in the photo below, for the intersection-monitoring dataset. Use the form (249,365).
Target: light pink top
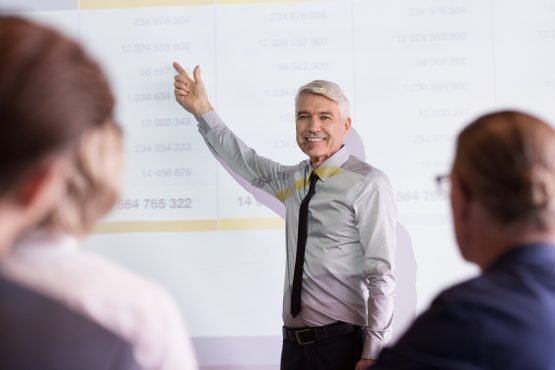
(130,306)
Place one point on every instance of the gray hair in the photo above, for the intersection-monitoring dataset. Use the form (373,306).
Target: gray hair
(328,90)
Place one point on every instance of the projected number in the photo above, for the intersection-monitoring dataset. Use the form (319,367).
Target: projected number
(161,148)
(155,203)
(248,202)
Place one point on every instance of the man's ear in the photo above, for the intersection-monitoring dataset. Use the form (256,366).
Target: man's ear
(347,125)
(460,199)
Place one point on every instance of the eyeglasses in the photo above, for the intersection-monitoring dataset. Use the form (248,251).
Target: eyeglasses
(443,183)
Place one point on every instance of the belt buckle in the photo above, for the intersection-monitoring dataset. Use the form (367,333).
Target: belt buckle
(299,340)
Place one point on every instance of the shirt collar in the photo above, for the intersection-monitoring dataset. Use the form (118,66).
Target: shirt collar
(331,166)
(43,241)
(539,254)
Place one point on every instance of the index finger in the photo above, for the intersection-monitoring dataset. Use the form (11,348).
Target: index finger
(179,69)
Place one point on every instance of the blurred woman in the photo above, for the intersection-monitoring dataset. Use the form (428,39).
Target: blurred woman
(503,206)
(48,260)
(51,92)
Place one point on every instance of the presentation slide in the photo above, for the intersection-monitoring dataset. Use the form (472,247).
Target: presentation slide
(415,71)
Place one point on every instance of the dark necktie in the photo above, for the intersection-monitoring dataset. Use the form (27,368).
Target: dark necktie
(301,246)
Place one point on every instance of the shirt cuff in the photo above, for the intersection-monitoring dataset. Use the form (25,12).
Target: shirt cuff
(208,121)
(372,348)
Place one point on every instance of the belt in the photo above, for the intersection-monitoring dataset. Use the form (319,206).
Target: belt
(304,336)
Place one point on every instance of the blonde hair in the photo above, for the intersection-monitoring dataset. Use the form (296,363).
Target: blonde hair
(93,182)
(506,160)
(326,89)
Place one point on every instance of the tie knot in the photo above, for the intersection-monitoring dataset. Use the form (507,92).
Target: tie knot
(313,178)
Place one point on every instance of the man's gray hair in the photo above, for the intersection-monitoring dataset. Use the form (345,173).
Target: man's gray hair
(329,90)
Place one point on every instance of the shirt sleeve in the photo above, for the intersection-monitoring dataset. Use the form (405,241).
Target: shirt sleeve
(376,221)
(259,171)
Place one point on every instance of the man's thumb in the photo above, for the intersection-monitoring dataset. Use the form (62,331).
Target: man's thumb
(196,74)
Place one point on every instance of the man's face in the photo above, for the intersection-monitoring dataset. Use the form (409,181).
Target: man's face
(320,127)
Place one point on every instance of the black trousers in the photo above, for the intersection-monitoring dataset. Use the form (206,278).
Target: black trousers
(341,352)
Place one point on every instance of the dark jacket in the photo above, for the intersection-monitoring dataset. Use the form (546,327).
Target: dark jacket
(503,319)
(39,333)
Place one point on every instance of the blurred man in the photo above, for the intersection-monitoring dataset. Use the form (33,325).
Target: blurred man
(503,205)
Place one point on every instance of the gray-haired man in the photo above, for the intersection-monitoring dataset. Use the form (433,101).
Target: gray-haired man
(340,224)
